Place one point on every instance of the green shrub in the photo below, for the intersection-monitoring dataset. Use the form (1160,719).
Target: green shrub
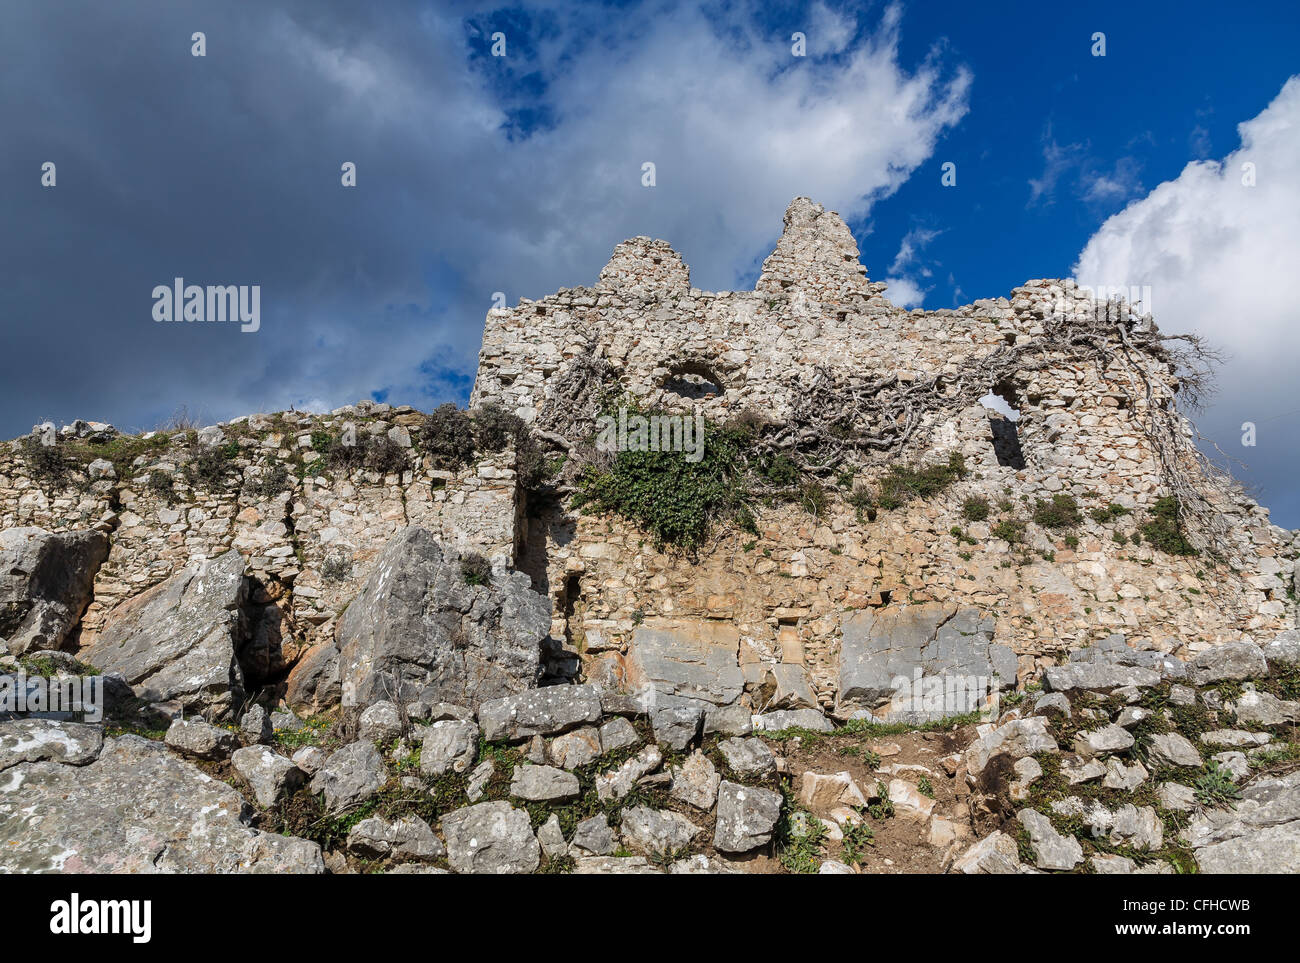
(1215,788)
(46,463)
(1109,513)
(1164,529)
(381,454)
(812,498)
(1062,511)
(447,436)
(902,484)
(210,466)
(975,508)
(1010,529)
(475,569)
(675,500)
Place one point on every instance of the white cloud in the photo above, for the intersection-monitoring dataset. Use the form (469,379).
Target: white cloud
(904,293)
(1220,258)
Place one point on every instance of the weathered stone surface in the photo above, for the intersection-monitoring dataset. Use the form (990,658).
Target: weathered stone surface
(380,722)
(309,759)
(1283,651)
(1233,738)
(995,854)
(543,784)
(613,866)
(657,832)
(824,792)
(594,835)
(746,817)
(1273,850)
(1120,776)
(695,781)
(409,836)
(793,719)
(1051,849)
(1260,708)
(909,803)
(1103,741)
(268,774)
(748,757)
(1172,749)
(490,837)
(676,726)
(1130,826)
(690,660)
(350,775)
(734,720)
(618,782)
(1097,675)
(478,781)
(42,740)
(575,749)
(46,582)
(617,734)
(1017,738)
(417,631)
(880,647)
(448,746)
(136,809)
(255,725)
(178,640)
(539,712)
(1229,660)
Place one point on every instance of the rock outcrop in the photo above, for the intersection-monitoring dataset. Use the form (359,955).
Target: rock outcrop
(46,582)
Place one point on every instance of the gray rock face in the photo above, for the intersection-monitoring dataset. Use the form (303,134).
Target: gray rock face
(697,662)
(1017,738)
(728,721)
(677,726)
(1097,675)
(417,632)
(350,775)
(657,832)
(255,725)
(994,855)
(178,640)
(1260,835)
(1229,660)
(269,775)
(1172,749)
(881,646)
(539,712)
(201,740)
(1103,741)
(1264,709)
(695,781)
(1114,650)
(746,817)
(490,837)
(543,784)
(380,722)
(1283,651)
(46,582)
(448,746)
(409,836)
(617,734)
(594,836)
(618,782)
(1051,849)
(748,757)
(551,838)
(136,809)
(575,749)
(793,719)
(42,740)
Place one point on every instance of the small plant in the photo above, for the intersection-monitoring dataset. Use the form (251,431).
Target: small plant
(1164,528)
(1071,542)
(975,509)
(211,466)
(1108,513)
(47,463)
(447,436)
(475,569)
(924,787)
(1215,788)
(1010,530)
(335,568)
(271,482)
(858,838)
(901,484)
(162,485)
(883,808)
(1062,511)
(812,498)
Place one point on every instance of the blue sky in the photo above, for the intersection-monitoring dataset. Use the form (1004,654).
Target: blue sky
(479,174)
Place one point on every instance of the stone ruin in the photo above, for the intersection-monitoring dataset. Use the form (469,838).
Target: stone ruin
(809,613)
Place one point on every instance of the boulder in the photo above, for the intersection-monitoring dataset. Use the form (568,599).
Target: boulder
(1097,675)
(657,832)
(490,837)
(1229,661)
(695,781)
(381,722)
(1283,651)
(200,740)
(137,808)
(539,712)
(696,661)
(46,582)
(178,640)
(268,774)
(1172,749)
(617,734)
(448,746)
(1051,849)
(350,775)
(409,836)
(888,654)
(676,726)
(748,757)
(416,631)
(746,817)
(995,854)
(45,740)
(543,784)
(594,835)
(576,749)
